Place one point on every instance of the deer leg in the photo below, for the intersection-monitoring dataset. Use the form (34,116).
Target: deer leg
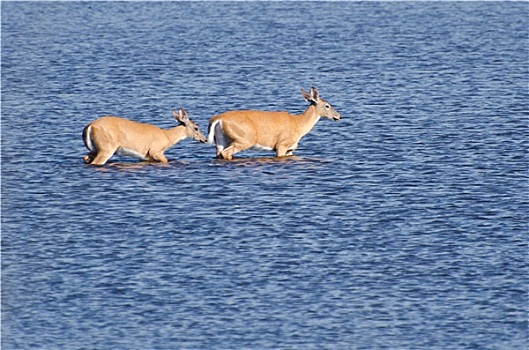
(219,149)
(228,152)
(291,149)
(103,147)
(221,142)
(282,151)
(102,157)
(89,158)
(158,157)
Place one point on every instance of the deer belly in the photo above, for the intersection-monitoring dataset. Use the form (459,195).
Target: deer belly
(122,151)
(259,147)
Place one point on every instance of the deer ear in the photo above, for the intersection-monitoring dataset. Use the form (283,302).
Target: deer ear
(181,116)
(307,96)
(314,94)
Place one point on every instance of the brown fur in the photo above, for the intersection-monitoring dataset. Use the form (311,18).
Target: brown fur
(279,131)
(108,135)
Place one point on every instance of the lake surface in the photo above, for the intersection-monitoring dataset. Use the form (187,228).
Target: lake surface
(403,226)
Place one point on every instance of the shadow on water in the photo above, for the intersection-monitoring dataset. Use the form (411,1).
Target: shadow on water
(133,165)
(250,162)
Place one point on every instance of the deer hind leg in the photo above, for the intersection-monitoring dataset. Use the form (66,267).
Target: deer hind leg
(227,153)
(219,148)
(89,158)
(102,157)
(87,138)
(221,141)
(235,147)
(100,144)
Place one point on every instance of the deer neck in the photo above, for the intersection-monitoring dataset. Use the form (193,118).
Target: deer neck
(307,120)
(176,134)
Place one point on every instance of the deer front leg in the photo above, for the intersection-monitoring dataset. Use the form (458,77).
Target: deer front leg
(158,156)
(285,147)
(284,151)
(291,149)
(161,158)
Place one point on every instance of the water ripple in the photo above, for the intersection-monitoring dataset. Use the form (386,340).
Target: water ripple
(401,227)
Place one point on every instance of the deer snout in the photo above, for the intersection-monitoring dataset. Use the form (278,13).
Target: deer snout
(337,117)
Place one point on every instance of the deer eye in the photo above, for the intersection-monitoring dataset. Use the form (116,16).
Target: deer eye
(327,106)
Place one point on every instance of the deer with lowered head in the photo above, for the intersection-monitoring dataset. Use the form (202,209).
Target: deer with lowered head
(109,135)
(236,131)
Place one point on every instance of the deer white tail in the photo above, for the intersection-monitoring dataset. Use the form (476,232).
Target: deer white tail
(87,136)
(211,134)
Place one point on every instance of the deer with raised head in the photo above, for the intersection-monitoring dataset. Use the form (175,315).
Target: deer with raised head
(236,131)
(109,135)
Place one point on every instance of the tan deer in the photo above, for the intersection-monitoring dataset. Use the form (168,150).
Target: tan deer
(235,131)
(108,135)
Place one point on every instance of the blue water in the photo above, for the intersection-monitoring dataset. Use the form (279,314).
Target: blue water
(403,226)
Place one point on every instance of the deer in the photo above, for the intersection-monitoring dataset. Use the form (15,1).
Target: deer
(236,131)
(111,135)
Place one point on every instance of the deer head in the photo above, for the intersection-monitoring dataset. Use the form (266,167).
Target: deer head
(192,130)
(323,108)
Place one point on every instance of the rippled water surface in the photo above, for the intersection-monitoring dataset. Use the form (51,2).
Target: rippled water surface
(403,226)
